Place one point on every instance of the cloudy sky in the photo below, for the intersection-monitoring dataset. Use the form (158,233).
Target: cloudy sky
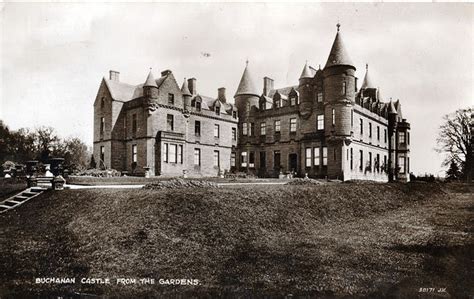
(53,56)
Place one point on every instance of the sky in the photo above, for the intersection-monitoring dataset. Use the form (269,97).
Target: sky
(53,56)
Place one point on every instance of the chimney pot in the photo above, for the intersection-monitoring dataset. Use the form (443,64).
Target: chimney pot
(192,86)
(267,85)
(221,94)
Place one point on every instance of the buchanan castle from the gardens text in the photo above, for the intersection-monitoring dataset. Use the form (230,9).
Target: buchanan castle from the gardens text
(324,126)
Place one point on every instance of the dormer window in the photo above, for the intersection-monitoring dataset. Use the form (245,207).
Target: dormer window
(278,103)
(234,114)
(320,97)
(198,106)
(217,109)
(293,101)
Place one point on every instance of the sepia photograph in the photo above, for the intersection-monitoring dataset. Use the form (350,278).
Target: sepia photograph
(236,150)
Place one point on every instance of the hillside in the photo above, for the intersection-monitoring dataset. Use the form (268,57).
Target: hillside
(334,240)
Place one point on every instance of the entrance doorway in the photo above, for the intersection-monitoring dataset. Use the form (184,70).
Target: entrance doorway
(293,163)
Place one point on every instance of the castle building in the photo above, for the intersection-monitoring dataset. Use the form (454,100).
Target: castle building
(322,127)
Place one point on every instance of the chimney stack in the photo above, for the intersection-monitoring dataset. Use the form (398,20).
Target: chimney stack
(165,73)
(267,85)
(221,94)
(114,75)
(192,86)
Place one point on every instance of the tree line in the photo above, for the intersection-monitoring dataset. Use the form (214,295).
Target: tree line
(41,144)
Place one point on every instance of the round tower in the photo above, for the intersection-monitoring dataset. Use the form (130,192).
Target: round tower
(150,89)
(186,95)
(306,92)
(339,90)
(246,95)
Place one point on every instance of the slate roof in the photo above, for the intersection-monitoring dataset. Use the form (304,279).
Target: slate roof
(185,88)
(285,91)
(150,80)
(307,72)
(367,83)
(338,54)
(246,85)
(124,92)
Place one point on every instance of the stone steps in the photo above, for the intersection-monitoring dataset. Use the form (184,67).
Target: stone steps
(20,198)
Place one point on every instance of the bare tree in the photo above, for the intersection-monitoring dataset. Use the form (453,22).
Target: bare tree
(456,140)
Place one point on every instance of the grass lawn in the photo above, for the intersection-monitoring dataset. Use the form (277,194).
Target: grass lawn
(11,186)
(334,240)
(131,180)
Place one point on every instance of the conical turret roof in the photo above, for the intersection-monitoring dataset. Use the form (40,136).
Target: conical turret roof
(306,73)
(185,88)
(150,80)
(391,107)
(367,83)
(246,85)
(338,54)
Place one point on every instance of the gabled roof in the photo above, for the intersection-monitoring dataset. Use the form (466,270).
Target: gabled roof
(367,83)
(338,54)
(246,85)
(122,91)
(185,88)
(150,80)
(307,72)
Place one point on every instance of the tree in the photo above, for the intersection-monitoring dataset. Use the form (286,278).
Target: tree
(455,138)
(453,173)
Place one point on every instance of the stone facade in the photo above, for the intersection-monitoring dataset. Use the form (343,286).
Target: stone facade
(323,127)
(157,126)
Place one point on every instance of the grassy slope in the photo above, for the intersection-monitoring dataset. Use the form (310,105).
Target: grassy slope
(338,239)
(10,187)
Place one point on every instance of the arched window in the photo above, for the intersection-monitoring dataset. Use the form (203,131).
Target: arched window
(344,88)
(102,103)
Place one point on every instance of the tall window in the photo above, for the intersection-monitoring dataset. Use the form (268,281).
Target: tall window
(134,153)
(217,109)
(170,99)
(408,165)
(102,103)
(333,116)
(216,131)
(292,125)
(370,129)
(401,137)
(377,163)
(352,158)
(252,129)
(385,135)
(320,97)
(361,126)
(320,122)
(378,133)
(408,138)
(234,134)
(102,154)
(232,159)
(198,106)
(244,129)
(165,152)
(325,156)
(197,128)
(216,159)
(180,154)
(102,125)
(173,153)
(316,157)
(263,127)
(170,122)
(343,88)
(370,161)
(308,157)
(361,160)
(243,159)
(352,117)
(134,124)
(197,156)
(277,126)
(401,164)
